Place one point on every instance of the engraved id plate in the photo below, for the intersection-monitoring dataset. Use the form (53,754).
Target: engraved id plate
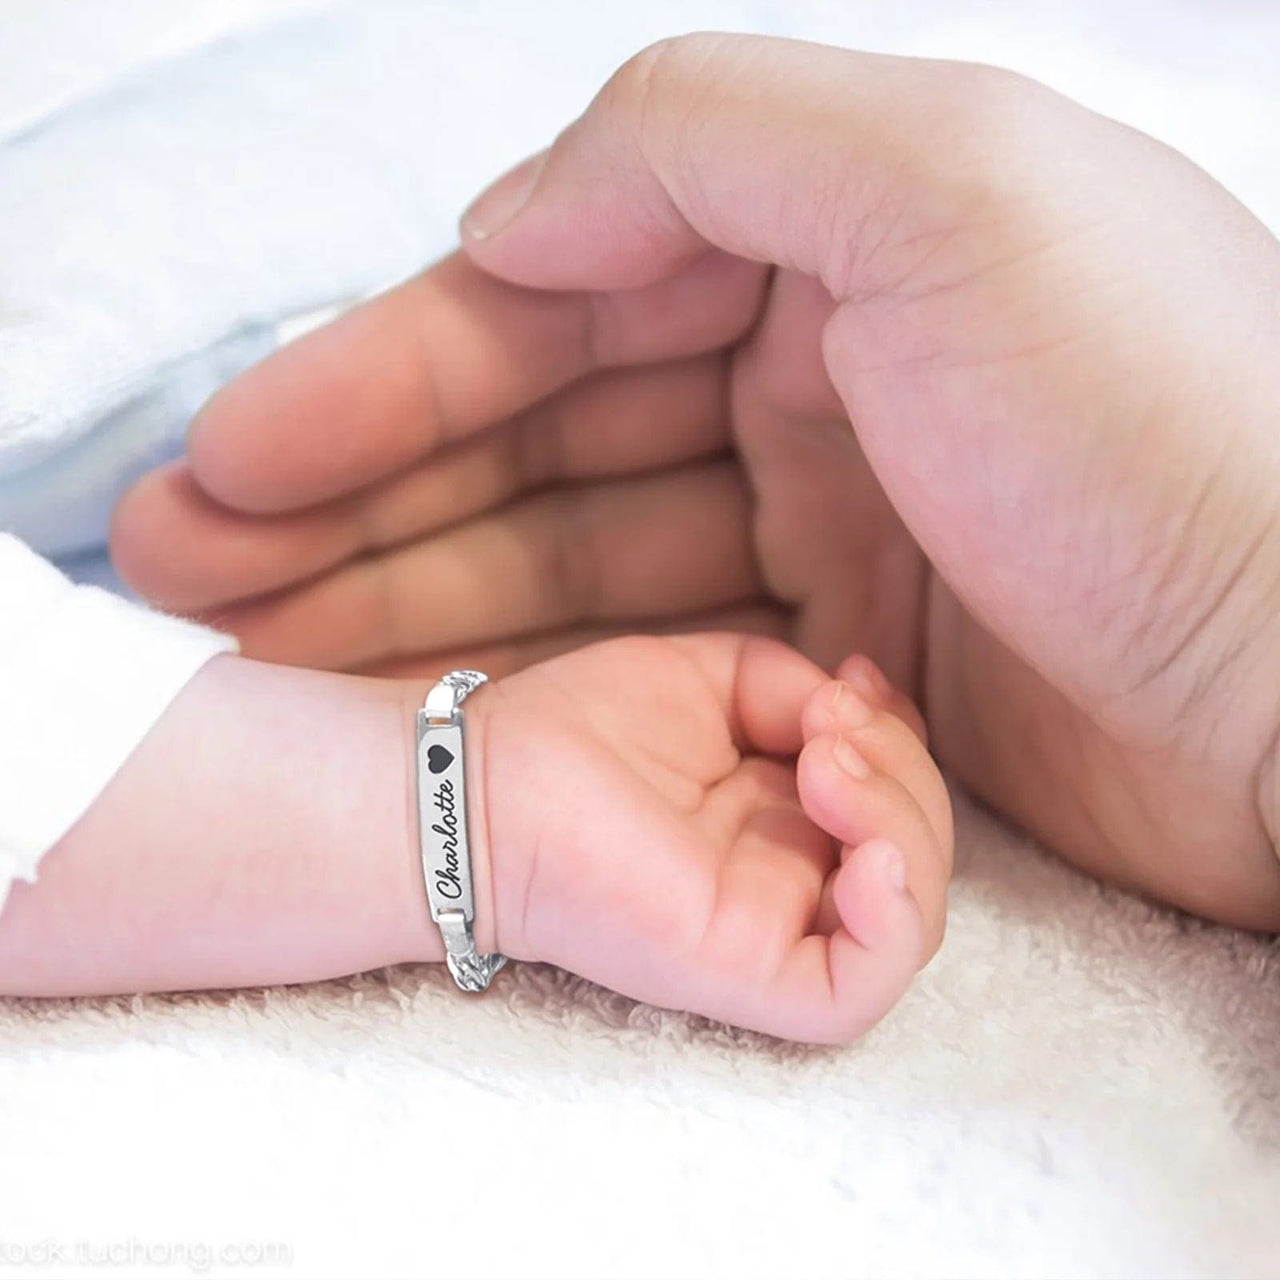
(442,818)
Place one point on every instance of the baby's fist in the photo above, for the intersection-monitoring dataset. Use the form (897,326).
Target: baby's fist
(711,823)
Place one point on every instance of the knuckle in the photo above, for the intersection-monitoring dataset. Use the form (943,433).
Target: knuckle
(630,90)
(636,72)
(383,600)
(1000,120)
(659,93)
(533,449)
(984,100)
(598,342)
(366,521)
(566,563)
(672,60)
(973,191)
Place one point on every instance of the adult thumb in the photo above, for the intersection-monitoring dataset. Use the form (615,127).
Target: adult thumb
(773,150)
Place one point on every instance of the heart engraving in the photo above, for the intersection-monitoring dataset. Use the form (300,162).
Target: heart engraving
(439,758)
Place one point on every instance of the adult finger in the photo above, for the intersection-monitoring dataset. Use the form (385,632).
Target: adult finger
(435,360)
(776,151)
(651,545)
(185,551)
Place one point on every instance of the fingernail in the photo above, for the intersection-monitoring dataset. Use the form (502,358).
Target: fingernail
(848,709)
(849,760)
(498,204)
(869,681)
(895,867)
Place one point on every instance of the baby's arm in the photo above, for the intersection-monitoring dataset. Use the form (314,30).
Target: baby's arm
(639,816)
(261,833)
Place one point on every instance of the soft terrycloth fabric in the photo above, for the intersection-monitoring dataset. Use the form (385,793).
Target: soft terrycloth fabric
(1081,1085)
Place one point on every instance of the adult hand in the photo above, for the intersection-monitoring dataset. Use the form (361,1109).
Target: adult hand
(906,356)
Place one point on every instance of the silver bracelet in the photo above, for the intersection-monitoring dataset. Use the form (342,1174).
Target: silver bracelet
(442,826)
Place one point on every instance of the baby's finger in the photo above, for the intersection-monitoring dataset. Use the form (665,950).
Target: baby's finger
(854,801)
(834,989)
(865,678)
(762,686)
(888,744)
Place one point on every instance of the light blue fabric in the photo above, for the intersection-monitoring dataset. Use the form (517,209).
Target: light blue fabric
(61,504)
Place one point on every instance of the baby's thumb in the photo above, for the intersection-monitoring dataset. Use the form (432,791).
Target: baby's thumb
(772,150)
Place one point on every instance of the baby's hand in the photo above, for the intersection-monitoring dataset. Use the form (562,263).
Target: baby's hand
(651,828)
(638,816)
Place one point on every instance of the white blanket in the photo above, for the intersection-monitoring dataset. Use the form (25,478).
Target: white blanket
(1080,1085)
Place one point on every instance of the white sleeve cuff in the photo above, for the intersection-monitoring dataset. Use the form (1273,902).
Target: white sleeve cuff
(84,675)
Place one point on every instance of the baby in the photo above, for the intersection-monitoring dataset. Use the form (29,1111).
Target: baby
(708,822)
